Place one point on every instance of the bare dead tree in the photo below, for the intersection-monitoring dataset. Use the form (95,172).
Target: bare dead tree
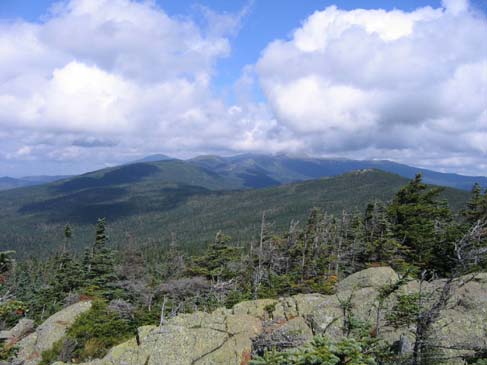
(163,318)
(258,274)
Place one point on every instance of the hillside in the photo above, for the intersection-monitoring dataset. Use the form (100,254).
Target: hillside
(255,171)
(149,203)
(7,183)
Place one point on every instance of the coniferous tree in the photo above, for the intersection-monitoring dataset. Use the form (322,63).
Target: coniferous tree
(6,261)
(418,218)
(67,237)
(68,276)
(356,252)
(310,263)
(220,260)
(381,246)
(476,208)
(101,263)
(86,263)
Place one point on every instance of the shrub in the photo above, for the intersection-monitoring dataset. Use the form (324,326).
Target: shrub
(321,351)
(405,311)
(11,312)
(8,351)
(99,329)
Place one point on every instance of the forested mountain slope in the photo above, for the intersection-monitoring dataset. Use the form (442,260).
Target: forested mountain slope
(7,183)
(156,201)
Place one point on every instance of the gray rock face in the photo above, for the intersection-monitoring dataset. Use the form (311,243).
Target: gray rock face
(21,329)
(375,277)
(198,338)
(229,336)
(51,331)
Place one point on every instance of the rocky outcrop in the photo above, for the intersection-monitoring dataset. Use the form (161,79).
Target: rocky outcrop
(220,337)
(228,336)
(375,277)
(49,332)
(20,330)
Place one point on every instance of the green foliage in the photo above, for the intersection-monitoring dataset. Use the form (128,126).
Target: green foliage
(381,245)
(52,355)
(152,210)
(99,329)
(12,311)
(68,276)
(419,219)
(270,308)
(323,352)
(220,262)
(476,207)
(100,272)
(480,362)
(405,311)
(6,261)
(68,233)
(8,352)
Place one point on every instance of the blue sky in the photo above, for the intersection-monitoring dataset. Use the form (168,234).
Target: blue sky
(100,82)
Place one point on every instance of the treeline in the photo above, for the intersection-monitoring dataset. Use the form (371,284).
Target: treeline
(415,233)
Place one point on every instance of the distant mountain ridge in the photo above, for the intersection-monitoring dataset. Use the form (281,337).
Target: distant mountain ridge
(253,171)
(7,183)
(264,170)
(153,158)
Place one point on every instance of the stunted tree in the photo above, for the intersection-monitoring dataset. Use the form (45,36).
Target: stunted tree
(68,233)
(419,218)
(6,261)
(381,246)
(101,261)
(68,276)
(220,262)
(476,208)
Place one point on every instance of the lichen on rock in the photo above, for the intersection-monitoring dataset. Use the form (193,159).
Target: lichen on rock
(228,336)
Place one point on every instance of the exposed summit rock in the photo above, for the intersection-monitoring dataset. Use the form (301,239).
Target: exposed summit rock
(21,329)
(375,277)
(49,332)
(230,336)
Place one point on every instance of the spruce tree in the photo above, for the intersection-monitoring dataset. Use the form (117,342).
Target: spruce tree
(6,261)
(419,219)
(67,237)
(68,273)
(68,277)
(220,260)
(381,247)
(476,208)
(101,264)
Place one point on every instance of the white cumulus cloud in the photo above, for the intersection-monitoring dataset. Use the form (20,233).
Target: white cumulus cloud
(116,73)
(103,81)
(388,84)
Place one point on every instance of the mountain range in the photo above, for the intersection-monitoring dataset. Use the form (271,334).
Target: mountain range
(263,170)
(7,183)
(152,202)
(258,171)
